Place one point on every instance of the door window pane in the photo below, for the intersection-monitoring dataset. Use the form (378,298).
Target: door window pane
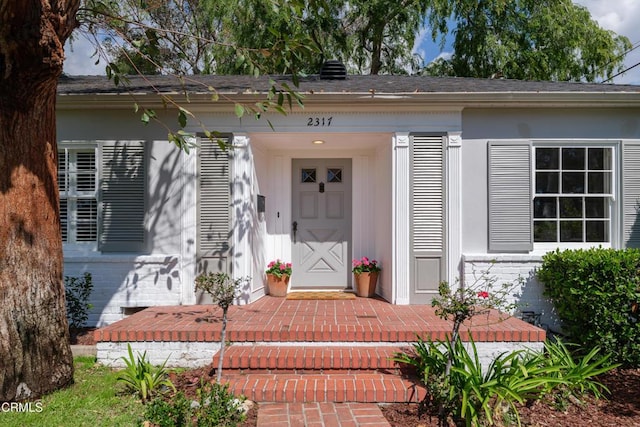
(334,175)
(308,175)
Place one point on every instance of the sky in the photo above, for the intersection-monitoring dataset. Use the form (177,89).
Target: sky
(620,16)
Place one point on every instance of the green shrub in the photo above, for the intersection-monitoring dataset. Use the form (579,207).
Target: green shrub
(77,291)
(214,406)
(595,293)
(142,378)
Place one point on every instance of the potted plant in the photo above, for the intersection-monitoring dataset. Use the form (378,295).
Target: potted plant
(278,274)
(365,274)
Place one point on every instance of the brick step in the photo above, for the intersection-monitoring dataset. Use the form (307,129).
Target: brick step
(301,388)
(299,359)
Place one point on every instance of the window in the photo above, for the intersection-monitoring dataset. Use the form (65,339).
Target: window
(78,185)
(573,194)
(102,195)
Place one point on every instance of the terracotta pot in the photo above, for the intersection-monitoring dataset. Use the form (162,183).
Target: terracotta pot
(365,283)
(277,285)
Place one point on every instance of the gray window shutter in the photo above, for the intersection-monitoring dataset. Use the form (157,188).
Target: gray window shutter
(427,193)
(214,208)
(631,195)
(122,197)
(510,202)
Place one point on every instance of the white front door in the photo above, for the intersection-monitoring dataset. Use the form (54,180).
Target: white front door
(321,223)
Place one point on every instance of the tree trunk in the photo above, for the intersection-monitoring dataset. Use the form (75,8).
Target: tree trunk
(35,356)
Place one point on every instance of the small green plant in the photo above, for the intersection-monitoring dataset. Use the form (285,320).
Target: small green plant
(77,291)
(577,371)
(214,406)
(223,291)
(142,378)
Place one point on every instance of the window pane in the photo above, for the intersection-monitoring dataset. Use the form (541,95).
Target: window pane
(573,182)
(600,159)
(571,231)
(334,175)
(86,182)
(547,158)
(547,182)
(545,231)
(545,207)
(308,175)
(570,207)
(599,182)
(63,218)
(86,161)
(573,158)
(597,231)
(596,207)
(86,227)
(62,171)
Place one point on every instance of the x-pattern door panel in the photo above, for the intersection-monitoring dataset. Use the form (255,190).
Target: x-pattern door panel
(321,228)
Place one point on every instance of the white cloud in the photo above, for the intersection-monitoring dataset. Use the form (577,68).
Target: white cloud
(620,16)
(79,60)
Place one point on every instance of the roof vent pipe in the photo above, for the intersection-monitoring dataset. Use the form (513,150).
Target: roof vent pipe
(333,70)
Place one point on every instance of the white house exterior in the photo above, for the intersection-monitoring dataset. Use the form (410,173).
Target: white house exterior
(436,178)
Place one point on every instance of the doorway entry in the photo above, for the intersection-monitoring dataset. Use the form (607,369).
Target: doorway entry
(321,223)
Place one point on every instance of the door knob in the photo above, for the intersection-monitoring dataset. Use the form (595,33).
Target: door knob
(295,230)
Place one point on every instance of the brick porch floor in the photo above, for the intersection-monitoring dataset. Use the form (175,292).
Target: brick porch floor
(273,319)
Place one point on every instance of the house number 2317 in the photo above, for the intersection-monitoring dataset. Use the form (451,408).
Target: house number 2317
(319,121)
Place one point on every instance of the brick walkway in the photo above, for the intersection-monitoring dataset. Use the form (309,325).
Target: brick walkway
(320,415)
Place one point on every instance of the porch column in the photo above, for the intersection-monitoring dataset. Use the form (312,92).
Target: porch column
(401,214)
(188,226)
(243,211)
(454,206)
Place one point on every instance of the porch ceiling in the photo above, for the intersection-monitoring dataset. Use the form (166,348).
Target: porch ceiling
(332,141)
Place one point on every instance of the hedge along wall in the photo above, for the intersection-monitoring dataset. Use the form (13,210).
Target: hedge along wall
(596,293)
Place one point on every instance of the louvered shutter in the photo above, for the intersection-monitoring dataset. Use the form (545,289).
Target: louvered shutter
(427,217)
(122,197)
(510,202)
(214,207)
(631,195)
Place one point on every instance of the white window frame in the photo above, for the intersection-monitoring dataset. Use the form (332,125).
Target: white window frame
(614,208)
(64,148)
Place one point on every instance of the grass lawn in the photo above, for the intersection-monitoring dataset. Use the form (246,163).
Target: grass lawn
(95,399)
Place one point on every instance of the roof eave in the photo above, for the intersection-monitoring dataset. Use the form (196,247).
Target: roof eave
(366,101)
